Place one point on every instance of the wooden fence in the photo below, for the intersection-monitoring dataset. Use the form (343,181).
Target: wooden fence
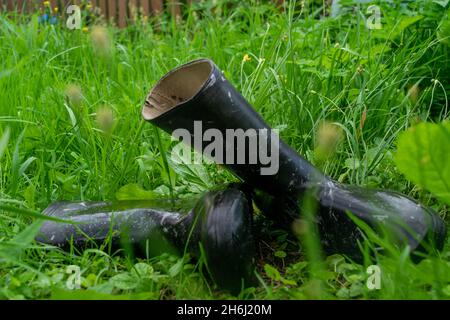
(118,11)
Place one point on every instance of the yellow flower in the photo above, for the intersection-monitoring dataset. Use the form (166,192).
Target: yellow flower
(85,29)
(46,3)
(89,6)
(246,58)
(56,9)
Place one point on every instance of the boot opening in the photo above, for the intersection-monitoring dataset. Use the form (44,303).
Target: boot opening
(177,86)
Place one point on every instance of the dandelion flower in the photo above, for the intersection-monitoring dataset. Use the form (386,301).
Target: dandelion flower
(246,58)
(46,3)
(85,29)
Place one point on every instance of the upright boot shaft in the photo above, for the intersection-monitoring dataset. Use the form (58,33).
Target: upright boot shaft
(197,99)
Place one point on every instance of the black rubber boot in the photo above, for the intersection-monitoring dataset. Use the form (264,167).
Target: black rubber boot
(220,223)
(197,98)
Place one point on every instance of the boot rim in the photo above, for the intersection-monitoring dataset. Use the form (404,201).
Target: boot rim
(148,111)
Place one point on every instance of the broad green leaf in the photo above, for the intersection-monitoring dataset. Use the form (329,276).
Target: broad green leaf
(272,272)
(405,22)
(442,3)
(125,281)
(288,282)
(134,192)
(356,289)
(394,30)
(446,290)
(343,293)
(423,157)
(27,236)
(176,268)
(352,163)
(142,270)
(194,174)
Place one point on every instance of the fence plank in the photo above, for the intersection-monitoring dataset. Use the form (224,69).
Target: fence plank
(132,9)
(157,7)
(19,6)
(145,4)
(10,5)
(122,14)
(103,9)
(112,11)
(175,8)
(29,6)
(53,4)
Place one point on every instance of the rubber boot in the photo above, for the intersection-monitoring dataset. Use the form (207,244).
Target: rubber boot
(197,99)
(219,225)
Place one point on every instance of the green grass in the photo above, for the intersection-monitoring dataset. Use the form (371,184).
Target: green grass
(303,70)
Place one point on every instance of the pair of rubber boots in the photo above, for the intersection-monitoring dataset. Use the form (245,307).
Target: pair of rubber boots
(195,103)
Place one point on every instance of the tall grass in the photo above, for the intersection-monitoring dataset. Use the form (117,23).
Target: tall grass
(304,69)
